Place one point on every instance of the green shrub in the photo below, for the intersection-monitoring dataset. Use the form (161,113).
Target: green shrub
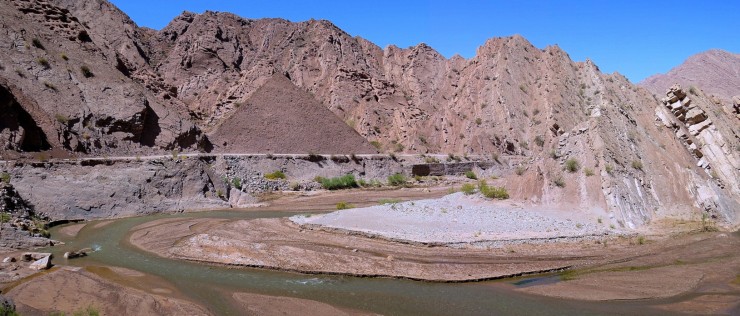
(275,175)
(5,177)
(637,164)
(376,144)
(343,182)
(37,43)
(8,311)
(397,179)
(478,121)
(237,183)
(468,188)
(572,165)
(492,192)
(471,175)
(64,56)
(86,72)
(344,205)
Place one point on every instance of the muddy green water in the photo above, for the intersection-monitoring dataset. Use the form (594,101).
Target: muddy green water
(207,284)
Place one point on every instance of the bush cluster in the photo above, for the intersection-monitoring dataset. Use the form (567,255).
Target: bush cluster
(337,183)
(275,175)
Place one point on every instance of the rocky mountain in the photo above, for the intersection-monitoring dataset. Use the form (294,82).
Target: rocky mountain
(82,77)
(716,71)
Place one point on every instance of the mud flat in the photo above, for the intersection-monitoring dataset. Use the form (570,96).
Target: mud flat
(452,239)
(75,289)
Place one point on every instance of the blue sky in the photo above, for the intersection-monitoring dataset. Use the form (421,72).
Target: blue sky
(635,38)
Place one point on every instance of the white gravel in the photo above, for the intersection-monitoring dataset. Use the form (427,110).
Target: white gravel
(457,218)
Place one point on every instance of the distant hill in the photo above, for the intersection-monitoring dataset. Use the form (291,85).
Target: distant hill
(717,72)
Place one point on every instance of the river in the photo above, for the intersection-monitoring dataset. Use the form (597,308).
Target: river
(210,285)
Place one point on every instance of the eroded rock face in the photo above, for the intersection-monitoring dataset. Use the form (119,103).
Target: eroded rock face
(707,142)
(65,62)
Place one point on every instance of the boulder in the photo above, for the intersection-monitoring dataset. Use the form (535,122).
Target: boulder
(697,128)
(695,116)
(76,254)
(41,264)
(33,256)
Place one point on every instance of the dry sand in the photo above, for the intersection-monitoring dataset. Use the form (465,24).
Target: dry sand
(461,219)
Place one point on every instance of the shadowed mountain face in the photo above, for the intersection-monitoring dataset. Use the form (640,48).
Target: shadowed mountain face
(717,72)
(279,117)
(96,83)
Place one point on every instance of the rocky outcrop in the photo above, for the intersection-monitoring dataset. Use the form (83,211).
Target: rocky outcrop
(20,225)
(92,189)
(715,154)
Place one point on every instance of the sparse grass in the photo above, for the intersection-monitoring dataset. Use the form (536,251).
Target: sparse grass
(558,181)
(637,164)
(471,175)
(376,144)
(468,188)
(693,90)
(277,174)
(61,118)
(64,56)
(397,180)
(175,154)
(641,240)
(707,225)
(86,71)
(388,201)
(344,205)
(495,157)
(452,157)
(572,165)
(344,182)
(554,154)
(609,169)
(429,159)
(43,62)
(588,171)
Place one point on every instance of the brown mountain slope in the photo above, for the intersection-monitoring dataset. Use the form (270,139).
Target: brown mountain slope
(717,72)
(281,118)
(59,76)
